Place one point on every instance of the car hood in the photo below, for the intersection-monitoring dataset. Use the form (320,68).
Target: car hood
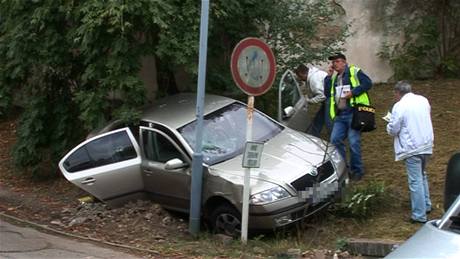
(286,157)
(429,242)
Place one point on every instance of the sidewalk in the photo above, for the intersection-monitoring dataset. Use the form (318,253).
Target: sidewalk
(22,242)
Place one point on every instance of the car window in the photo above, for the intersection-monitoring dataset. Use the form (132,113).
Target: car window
(158,148)
(105,150)
(290,94)
(79,160)
(224,132)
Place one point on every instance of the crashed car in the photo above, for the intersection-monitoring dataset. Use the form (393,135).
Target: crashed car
(299,174)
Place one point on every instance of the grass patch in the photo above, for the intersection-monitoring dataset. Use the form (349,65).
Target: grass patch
(362,201)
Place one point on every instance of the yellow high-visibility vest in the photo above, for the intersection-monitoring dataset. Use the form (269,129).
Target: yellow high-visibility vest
(363,98)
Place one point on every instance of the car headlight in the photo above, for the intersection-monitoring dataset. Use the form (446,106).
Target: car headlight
(338,161)
(336,157)
(271,195)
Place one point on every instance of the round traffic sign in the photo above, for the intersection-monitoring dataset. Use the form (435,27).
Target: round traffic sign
(253,66)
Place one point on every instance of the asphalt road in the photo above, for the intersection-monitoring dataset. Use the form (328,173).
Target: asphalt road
(23,242)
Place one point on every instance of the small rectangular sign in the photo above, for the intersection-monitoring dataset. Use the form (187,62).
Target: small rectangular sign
(252,154)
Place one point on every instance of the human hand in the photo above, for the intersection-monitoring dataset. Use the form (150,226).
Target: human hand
(347,95)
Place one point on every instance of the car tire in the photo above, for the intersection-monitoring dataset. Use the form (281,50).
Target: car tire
(225,219)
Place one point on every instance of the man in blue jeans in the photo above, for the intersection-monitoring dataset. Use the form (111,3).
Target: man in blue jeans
(348,86)
(410,124)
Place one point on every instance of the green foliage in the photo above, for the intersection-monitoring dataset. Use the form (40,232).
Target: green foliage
(78,62)
(5,100)
(304,33)
(341,243)
(47,118)
(415,58)
(362,201)
(429,35)
(297,31)
(69,58)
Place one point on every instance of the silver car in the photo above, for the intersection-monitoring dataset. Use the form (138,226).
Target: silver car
(299,174)
(436,239)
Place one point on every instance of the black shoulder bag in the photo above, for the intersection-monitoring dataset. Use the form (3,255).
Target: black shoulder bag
(363,118)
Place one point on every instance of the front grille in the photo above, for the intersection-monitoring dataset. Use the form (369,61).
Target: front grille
(304,182)
(324,171)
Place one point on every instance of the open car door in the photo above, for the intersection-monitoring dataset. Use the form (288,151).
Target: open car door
(165,169)
(107,166)
(292,106)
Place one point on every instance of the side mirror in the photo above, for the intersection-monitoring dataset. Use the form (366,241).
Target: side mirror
(288,111)
(175,163)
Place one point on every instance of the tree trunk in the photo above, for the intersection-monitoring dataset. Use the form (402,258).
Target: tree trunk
(148,74)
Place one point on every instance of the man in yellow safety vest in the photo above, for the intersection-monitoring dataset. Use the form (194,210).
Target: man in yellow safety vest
(347,86)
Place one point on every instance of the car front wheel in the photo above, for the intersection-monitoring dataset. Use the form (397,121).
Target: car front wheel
(225,219)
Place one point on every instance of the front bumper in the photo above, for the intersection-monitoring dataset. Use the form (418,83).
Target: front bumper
(293,209)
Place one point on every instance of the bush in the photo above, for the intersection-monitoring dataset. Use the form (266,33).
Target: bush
(362,201)
(423,45)
(71,58)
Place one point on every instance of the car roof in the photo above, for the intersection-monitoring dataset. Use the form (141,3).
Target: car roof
(178,110)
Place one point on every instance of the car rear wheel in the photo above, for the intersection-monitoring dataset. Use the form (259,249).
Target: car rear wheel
(225,219)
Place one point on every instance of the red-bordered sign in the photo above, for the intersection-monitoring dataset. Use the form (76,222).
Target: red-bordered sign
(253,66)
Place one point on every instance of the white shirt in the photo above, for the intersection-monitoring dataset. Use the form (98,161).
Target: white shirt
(411,126)
(340,91)
(315,79)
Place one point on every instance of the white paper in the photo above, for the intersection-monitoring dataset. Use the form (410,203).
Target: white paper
(342,90)
(387,117)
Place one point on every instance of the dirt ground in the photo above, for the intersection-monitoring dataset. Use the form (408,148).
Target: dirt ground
(145,225)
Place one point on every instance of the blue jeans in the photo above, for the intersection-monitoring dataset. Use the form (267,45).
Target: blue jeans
(342,130)
(320,120)
(418,186)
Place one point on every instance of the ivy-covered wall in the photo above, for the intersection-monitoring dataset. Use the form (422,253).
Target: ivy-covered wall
(398,39)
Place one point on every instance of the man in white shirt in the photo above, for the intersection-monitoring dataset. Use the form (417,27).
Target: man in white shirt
(411,126)
(313,78)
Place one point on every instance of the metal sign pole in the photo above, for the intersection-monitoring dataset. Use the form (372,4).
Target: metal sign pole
(253,70)
(247,174)
(197,158)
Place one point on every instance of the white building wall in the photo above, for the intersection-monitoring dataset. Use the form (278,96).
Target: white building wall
(365,43)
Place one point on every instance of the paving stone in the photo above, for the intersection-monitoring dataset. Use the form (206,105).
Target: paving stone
(371,247)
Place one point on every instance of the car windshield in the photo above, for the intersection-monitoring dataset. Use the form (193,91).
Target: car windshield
(224,132)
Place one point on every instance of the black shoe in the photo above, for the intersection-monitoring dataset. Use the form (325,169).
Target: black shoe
(413,221)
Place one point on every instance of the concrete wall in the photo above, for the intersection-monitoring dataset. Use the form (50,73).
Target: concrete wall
(362,47)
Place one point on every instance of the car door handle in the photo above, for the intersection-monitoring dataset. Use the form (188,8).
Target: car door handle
(88,181)
(148,172)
